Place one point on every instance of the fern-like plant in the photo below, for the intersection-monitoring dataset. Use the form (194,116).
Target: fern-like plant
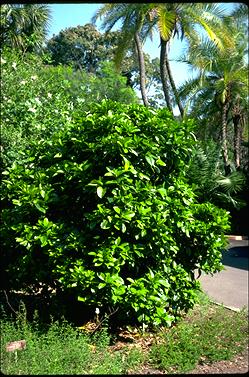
(206,173)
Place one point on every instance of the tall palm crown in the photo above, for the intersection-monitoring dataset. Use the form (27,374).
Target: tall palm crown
(131,17)
(24,26)
(170,19)
(220,91)
(184,21)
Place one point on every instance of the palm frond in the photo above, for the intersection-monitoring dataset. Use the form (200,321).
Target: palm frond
(124,43)
(166,22)
(233,183)
(101,12)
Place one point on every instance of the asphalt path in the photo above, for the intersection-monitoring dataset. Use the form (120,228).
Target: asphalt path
(230,286)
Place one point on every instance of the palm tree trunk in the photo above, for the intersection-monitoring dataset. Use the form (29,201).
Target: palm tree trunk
(237,133)
(172,83)
(141,68)
(224,138)
(164,73)
(237,139)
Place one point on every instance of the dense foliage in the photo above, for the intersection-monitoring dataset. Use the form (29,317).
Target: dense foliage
(102,209)
(83,47)
(34,103)
(24,26)
(38,99)
(206,174)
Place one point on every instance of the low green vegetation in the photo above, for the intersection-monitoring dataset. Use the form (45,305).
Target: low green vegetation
(207,333)
(60,349)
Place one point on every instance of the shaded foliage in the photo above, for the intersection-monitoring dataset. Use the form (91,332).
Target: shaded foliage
(207,176)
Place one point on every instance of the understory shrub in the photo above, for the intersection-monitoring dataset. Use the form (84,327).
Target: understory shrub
(103,210)
(33,103)
(207,176)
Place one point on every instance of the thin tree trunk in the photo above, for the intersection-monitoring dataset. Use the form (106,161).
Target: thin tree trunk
(237,139)
(141,68)
(236,114)
(224,138)
(164,73)
(172,83)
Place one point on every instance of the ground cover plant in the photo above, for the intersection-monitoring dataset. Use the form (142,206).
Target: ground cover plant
(60,349)
(102,210)
(208,333)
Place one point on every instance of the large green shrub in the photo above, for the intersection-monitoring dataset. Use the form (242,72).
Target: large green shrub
(103,210)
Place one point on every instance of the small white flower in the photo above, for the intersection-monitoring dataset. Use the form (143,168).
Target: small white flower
(23,82)
(37,100)
(32,110)
(14,65)
(49,95)
(97,311)
(2,60)
(33,77)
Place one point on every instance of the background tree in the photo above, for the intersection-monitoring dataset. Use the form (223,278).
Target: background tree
(170,20)
(220,91)
(182,21)
(83,47)
(218,99)
(24,26)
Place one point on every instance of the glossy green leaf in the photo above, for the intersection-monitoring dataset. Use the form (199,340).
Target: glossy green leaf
(101,191)
(162,191)
(105,224)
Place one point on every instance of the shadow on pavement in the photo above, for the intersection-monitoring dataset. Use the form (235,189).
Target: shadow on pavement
(237,257)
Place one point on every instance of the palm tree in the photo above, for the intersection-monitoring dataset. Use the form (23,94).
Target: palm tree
(220,91)
(164,16)
(179,19)
(171,19)
(131,17)
(24,26)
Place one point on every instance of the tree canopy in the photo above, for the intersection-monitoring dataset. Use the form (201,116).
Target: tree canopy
(24,26)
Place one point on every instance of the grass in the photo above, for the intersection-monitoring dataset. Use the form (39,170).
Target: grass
(60,349)
(207,333)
